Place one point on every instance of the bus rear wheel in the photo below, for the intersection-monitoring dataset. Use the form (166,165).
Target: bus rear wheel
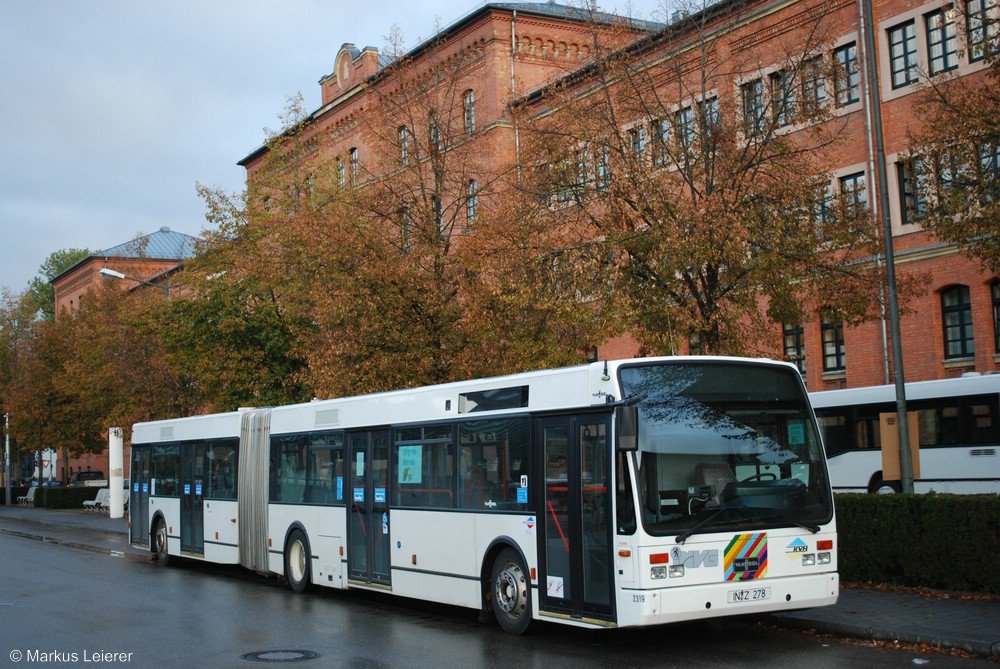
(297,561)
(161,551)
(511,594)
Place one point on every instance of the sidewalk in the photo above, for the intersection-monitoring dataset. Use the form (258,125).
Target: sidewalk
(972,626)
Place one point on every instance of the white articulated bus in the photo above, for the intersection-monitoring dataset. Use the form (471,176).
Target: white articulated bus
(618,493)
(954,430)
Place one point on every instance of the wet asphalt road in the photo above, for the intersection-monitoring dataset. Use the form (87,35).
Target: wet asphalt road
(64,598)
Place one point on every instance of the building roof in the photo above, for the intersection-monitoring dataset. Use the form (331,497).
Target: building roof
(164,244)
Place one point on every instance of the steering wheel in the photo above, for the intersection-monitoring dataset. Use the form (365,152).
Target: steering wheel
(760,476)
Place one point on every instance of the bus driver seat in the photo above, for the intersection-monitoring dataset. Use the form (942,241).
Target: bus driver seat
(715,475)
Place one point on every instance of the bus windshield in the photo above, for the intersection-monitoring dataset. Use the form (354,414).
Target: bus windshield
(724,445)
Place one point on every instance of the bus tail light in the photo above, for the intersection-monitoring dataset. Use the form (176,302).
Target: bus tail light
(659,558)
(824,545)
(624,553)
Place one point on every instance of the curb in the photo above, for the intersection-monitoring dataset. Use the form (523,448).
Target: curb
(65,526)
(873,633)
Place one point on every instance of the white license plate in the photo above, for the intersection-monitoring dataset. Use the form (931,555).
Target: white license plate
(748,595)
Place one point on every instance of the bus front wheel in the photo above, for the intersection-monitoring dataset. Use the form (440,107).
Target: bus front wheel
(161,552)
(297,561)
(511,594)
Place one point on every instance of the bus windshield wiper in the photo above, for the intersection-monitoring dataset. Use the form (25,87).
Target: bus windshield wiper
(683,536)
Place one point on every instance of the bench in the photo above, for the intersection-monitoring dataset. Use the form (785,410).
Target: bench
(100,502)
(29,499)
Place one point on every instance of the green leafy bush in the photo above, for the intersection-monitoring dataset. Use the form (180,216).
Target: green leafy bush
(936,541)
(64,498)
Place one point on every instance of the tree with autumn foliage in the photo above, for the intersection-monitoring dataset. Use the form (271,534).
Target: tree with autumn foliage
(95,367)
(710,209)
(953,169)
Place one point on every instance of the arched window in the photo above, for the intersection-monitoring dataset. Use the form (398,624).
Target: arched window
(956,317)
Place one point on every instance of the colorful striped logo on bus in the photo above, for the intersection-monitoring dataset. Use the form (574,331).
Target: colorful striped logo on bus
(746,557)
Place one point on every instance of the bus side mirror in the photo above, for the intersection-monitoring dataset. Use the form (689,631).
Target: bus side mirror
(627,427)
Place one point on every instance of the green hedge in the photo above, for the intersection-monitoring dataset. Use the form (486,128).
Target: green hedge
(949,542)
(64,498)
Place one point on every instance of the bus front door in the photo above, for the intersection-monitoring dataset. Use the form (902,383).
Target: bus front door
(368,502)
(192,500)
(138,501)
(574,521)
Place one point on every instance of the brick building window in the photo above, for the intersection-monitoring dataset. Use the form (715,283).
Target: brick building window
(942,44)
(405,226)
(752,95)
(912,178)
(355,164)
(637,141)
(903,54)
(471,202)
(341,175)
(847,77)
(404,145)
(684,124)
(694,344)
(820,210)
(602,173)
(469,109)
(832,329)
(854,192)
(813,85)
(982,22)
(708,113)
(956,316)
(996,316)
(661,142)
(783,97)
(434,134)
(989,163)
(438,214)
(795,349)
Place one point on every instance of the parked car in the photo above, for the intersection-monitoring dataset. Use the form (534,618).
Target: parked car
(94,477)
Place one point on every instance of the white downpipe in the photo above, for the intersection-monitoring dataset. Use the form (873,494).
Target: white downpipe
(116,458)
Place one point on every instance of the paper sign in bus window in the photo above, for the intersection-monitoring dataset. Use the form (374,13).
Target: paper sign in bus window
(410,462)
(796,433)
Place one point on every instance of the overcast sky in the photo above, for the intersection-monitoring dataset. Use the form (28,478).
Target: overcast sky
(112,110)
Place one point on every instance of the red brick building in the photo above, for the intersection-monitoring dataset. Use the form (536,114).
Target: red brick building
(952,328)
(148,259)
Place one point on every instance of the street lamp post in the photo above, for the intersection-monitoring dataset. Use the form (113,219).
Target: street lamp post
(113,275)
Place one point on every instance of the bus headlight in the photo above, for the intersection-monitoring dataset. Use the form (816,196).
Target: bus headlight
(676,571)
(658,572)
(824,558)
(808,560)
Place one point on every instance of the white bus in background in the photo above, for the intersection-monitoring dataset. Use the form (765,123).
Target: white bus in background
(954,433)
(544,495)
